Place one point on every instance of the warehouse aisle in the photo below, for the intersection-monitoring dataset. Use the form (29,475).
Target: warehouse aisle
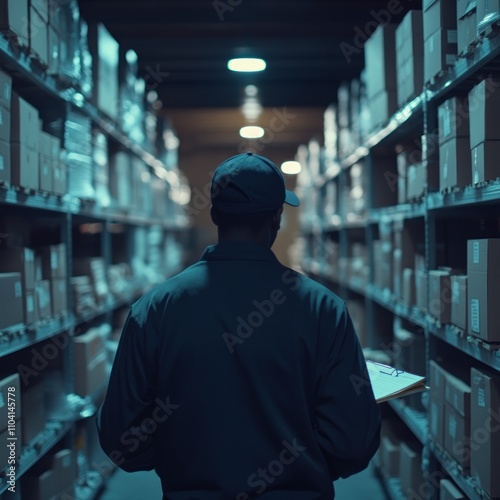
(123,486)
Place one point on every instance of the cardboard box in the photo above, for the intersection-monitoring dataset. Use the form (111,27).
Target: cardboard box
(438,377)
(402,163)
(403,240)
(440,52)
(484,103)
(416,181)
(459,304)
(13,16)
(15,382)
(382,106)
(487,11)
(5,155)
(34,418)
(457,395)
(449,491)
(4,124)
(25,122)
(484,313)
(485,399)
(485,166)
(11,300)
(412,37)
(410,470)
(453,116)
(24,166)
(457,437)
(54,47)
(5,89)
(466,24)
(389,457)
(5,452)
(380,60)
(53,261)
(436,419)
(483,256)
(59,178)
(439,15)
(397,269)
(58,296)
(19,260)
(39,37)
(455,163)
(408,287)
(42,7)
(90,361)
(29,307)
(42,295)
(421,289)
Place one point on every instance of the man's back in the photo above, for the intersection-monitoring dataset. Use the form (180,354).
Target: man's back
(254,372)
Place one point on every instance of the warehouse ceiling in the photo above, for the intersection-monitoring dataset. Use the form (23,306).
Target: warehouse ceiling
(184,45)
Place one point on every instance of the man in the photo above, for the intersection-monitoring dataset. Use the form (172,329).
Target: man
(240,378)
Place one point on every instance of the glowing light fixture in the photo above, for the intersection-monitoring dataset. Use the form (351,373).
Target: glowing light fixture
(291,167)
(252,132)
(247,64)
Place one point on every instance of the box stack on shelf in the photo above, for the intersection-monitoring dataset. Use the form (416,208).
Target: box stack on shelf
(78,178)
(430,238)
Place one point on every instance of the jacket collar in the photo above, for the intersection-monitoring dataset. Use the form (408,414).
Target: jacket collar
(238,250)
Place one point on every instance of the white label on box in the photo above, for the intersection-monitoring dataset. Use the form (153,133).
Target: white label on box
(481,400)
(452,426)
(18,290)
(475,252)
(2,401)
(474,315)
(475,173)
(30,303)
(6,92)
(53,260)
(455,292)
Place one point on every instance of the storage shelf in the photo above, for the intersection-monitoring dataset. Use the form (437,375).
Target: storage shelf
(397,212)
(465,483)
(467,343)
(22,336)
(465,68)
(42,444)
(415,420)
(467,196)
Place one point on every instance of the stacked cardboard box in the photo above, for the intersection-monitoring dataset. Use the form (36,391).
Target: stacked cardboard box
(466,25)
(454,144)
(50,179)
(484,106)
(403,256)
(440,36)
(39,34)
(52,478)
(421,290)
(121,179)
(457,420)
(22,260)
(440,294)
(52,287)
(381,83)
(11,300)
(409,56)
(95,268)
(13,17)
(483,272)
(5,126)
(25,143)
(437,394)
(448,490)
(90,362)
(485,423)
(410,469)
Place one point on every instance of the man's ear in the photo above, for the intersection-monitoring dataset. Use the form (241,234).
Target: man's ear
(277,218)
(213,215)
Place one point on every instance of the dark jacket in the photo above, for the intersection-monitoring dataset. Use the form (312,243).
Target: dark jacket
(240,378)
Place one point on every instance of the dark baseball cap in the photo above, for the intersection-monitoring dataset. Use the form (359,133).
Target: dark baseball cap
(248,183)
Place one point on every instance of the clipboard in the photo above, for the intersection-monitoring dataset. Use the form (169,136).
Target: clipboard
(390,383)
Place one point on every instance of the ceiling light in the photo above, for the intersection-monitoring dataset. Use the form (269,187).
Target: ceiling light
(247,64)
(291,167)
(251,90)
(252,132)
(251,109)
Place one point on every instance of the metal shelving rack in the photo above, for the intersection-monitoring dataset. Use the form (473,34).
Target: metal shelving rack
(484,60)
(38,87)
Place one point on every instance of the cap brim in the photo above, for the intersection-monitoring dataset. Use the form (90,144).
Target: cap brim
(291,199)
